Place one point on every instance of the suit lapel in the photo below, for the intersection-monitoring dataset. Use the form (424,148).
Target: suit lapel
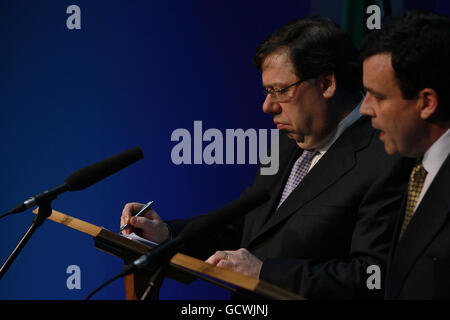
(409,163)
(429,217)
(336,162)
(260,217)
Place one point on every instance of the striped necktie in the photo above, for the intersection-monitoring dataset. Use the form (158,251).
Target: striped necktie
(415,184)
(298,172)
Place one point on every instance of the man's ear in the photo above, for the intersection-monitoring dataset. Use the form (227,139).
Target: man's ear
(328,85)
(428,103)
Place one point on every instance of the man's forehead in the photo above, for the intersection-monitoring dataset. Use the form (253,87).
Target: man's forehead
(380,60)
(379,75)
(378,66)
(277,68)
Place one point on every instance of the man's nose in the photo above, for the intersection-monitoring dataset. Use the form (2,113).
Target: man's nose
(366,107)
(270,106)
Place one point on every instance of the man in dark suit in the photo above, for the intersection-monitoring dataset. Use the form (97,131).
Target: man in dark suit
(333,198)
(405,72)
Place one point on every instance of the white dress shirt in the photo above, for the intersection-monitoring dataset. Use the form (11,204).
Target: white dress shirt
(433,159)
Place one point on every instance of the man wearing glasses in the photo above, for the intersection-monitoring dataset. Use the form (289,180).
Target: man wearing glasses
(333,198)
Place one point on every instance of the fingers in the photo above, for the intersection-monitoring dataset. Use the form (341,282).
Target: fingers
(226,264)
(129,210)
(151,214)
(141,223)
(240,261)
(149,223)
(217,257)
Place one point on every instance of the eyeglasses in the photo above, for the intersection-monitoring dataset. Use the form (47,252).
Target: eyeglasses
(280,94)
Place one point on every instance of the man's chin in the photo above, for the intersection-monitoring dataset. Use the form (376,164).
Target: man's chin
(390,149)
(300,140)
(294,136)
(395,151)
(305,145)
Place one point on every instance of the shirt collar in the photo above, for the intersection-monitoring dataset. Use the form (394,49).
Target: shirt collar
(343,124)
(435,156)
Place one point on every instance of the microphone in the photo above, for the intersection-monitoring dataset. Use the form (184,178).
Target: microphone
(96,172)
(213,220)
(78,180)
(84,178)
(193,230)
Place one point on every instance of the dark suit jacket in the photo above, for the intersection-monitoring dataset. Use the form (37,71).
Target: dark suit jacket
(419,264)
(335,224)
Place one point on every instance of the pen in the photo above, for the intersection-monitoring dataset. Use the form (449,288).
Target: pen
(138,214)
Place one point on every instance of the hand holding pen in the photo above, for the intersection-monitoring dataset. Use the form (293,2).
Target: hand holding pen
(138,214)
(148,223)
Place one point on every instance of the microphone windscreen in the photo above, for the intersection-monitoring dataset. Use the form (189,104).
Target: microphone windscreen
(93,173)
(225,215)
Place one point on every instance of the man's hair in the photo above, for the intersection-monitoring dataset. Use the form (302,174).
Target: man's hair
(419,44)
(316,46)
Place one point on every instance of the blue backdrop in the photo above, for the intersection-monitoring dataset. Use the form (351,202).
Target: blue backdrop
(134,72)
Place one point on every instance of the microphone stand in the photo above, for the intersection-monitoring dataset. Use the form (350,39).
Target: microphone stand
(45,211)
(155,282)
(159,257)
(78,180)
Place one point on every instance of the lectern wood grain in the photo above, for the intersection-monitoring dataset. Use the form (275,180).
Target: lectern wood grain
(127,249)
(73,223)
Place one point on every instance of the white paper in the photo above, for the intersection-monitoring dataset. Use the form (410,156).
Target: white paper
(135,237)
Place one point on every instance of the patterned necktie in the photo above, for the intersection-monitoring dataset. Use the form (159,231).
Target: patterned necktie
(415,185)
(298,172)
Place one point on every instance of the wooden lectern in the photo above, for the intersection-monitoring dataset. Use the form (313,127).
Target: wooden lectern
(181,267)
